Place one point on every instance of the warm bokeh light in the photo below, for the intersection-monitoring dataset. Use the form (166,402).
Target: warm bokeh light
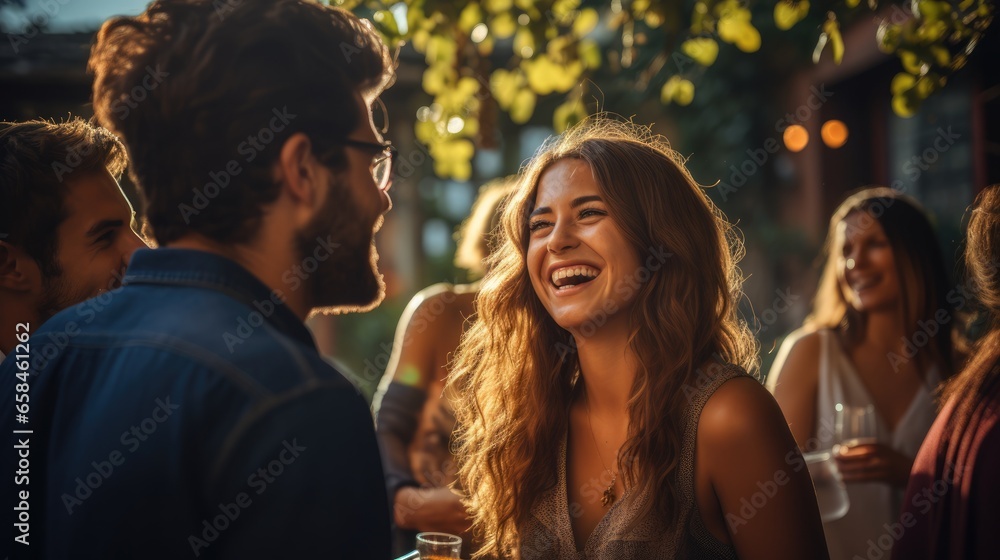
(834,133)
(796,137)
(479,33)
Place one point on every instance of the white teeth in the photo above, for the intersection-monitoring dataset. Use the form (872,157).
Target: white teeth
(863,283)
(573,271)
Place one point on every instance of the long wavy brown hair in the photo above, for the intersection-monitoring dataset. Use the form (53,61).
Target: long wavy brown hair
(514,373)
(981,377)
(919,266)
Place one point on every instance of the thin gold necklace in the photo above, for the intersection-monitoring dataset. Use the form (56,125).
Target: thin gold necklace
(609,496)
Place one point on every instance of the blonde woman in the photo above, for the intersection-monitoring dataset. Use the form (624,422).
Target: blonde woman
(414,424)
(602,398)
(878,337)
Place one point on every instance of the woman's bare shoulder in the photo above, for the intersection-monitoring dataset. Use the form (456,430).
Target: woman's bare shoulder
(804,338)
(738,402)
(439,309)
(798,359)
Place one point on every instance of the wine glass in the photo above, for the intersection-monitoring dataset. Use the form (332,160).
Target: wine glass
(831,494)
(855,425)
(439,546)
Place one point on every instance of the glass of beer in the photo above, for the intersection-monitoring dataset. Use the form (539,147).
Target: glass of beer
(439,546)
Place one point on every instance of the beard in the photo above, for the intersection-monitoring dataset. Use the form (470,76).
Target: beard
(348,280)
(57,294)
(54,298)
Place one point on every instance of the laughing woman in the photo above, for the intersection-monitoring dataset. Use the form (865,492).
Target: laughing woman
(883,282)
(867,346)
(602,398)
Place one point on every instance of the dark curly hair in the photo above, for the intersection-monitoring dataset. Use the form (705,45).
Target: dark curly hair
(36,159)
(204,93)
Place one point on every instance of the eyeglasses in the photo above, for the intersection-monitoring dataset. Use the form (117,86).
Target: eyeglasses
(380,116)
(381,166)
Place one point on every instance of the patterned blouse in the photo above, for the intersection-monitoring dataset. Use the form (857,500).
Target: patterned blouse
(549,535)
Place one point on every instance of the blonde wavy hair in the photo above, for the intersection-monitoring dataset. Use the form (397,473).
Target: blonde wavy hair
(514,372)
(475,238)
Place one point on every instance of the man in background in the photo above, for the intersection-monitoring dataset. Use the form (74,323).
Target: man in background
(66,229)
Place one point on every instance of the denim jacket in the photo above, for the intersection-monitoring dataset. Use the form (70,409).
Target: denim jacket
(188,414)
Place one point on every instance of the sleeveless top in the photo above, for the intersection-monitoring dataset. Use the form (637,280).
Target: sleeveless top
(549,534)
(873,505)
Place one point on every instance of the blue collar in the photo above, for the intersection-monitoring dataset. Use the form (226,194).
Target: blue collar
(188,267)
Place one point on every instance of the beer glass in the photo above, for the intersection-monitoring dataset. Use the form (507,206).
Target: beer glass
(438,546)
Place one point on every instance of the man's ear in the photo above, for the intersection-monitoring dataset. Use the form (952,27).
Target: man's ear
(301,172)
(18,271)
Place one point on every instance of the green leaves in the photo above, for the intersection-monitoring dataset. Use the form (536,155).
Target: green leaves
(887,37)
(498,6)
(590,54)
(788,12)
(932,44)
(505,85)
(471,16)
(832,30)
(386,23)
(568,114)
(512,54)
(436,79)
(522,106)
(550,56)
(831,36)
(734,26)
(503,25)
(931,10)
(585,22)
(453,158)
(703,50)
(545,76)
(909,91)
(677,90)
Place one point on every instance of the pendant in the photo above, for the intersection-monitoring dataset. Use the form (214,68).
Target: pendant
(609,493)
(609,496)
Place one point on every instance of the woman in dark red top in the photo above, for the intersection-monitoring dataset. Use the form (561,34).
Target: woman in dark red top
(950,510)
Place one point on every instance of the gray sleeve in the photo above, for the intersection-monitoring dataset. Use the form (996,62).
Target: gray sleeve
(396,424)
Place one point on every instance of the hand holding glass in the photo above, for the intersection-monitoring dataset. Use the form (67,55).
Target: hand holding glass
(855,425)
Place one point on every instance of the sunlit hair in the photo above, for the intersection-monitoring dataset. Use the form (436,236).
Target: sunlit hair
(981,376)
(37,160)
(514,372)
(919,267)
(204,93)
(476,236)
